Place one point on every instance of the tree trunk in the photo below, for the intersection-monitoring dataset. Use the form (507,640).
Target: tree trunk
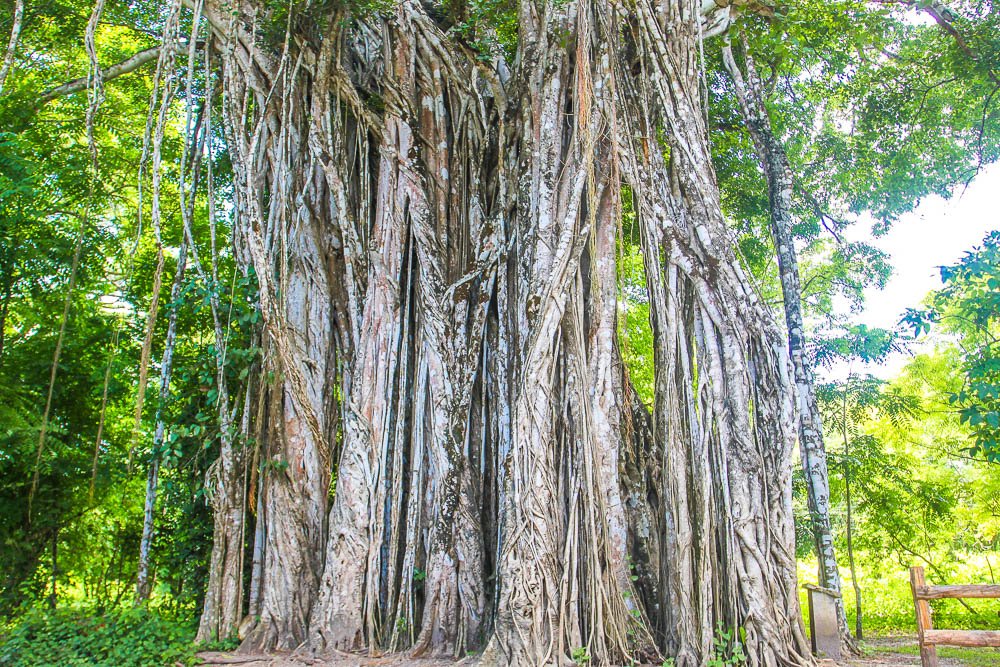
(434,233)
(812,450)
(850,523)
(282,199)
(5,305)
(223,605)
(225,480)
(142,584)
(54,596)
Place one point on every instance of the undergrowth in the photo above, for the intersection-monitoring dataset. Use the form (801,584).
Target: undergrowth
(73,638)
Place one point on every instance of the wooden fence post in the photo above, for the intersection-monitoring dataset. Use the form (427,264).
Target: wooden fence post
(928,652)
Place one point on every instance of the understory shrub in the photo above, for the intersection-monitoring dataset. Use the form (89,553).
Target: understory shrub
(73,638)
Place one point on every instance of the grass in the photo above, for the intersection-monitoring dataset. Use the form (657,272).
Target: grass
(969,657)
(888,603)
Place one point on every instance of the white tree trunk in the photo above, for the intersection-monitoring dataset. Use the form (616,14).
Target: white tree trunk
(780,183)
(143,584)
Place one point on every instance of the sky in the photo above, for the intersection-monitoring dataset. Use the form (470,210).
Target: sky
(937,233)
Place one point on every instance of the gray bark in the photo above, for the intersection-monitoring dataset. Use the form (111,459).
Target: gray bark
(435,239)
(143,584)
(812,451)
(15,34)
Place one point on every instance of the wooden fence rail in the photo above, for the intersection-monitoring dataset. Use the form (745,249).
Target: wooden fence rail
(928,637)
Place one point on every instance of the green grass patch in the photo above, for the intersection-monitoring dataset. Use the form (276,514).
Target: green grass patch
(887,602)
(971,657)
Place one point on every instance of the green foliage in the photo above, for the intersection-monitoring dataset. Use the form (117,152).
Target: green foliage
(968,307)
(489,27)
(880,110)
(635,332)
(876,110)
(917,500)
(130,638)
(80,540)
(727,648)
(580,655)
(855,343)
(888,600)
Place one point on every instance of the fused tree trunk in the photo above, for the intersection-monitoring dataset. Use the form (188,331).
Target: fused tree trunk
(223,606)
(778,174)
(434,232)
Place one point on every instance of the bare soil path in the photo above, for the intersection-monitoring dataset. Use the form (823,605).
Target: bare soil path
(220,659)
(898,651)
(902,650)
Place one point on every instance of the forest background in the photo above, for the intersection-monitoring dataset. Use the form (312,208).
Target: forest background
(879,108)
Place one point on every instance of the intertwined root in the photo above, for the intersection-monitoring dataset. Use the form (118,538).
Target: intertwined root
(435,240)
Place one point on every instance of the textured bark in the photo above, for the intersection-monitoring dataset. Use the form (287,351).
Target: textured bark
(143,584)
(15,34)
(726,444)
(280,196)
(226,484)
(435,235)
(778,174)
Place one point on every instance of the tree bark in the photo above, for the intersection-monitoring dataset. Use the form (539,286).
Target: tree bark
(435,234)
(11,50)
(778,174)
(143,585)
(850,522)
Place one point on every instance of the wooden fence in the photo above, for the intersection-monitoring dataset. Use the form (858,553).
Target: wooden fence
(930,638)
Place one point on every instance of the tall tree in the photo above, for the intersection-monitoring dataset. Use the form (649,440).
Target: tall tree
(433,232)
(780,186)
(450,454)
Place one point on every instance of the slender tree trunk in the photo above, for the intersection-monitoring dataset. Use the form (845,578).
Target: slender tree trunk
(54,596)
(5,306)
(778,174)
(143,584)
(850,523)
(54,370)
(11,50)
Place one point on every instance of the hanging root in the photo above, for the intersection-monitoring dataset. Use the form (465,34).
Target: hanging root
(455,458)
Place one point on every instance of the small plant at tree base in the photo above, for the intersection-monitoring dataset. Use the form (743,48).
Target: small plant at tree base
(727,650)
(580,655)
(228,644)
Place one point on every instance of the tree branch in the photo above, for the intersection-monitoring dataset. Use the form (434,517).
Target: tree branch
(130,64)
(15,33)
(945,18)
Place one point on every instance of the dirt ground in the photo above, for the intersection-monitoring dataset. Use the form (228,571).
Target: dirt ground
(880,652)
(214,659)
